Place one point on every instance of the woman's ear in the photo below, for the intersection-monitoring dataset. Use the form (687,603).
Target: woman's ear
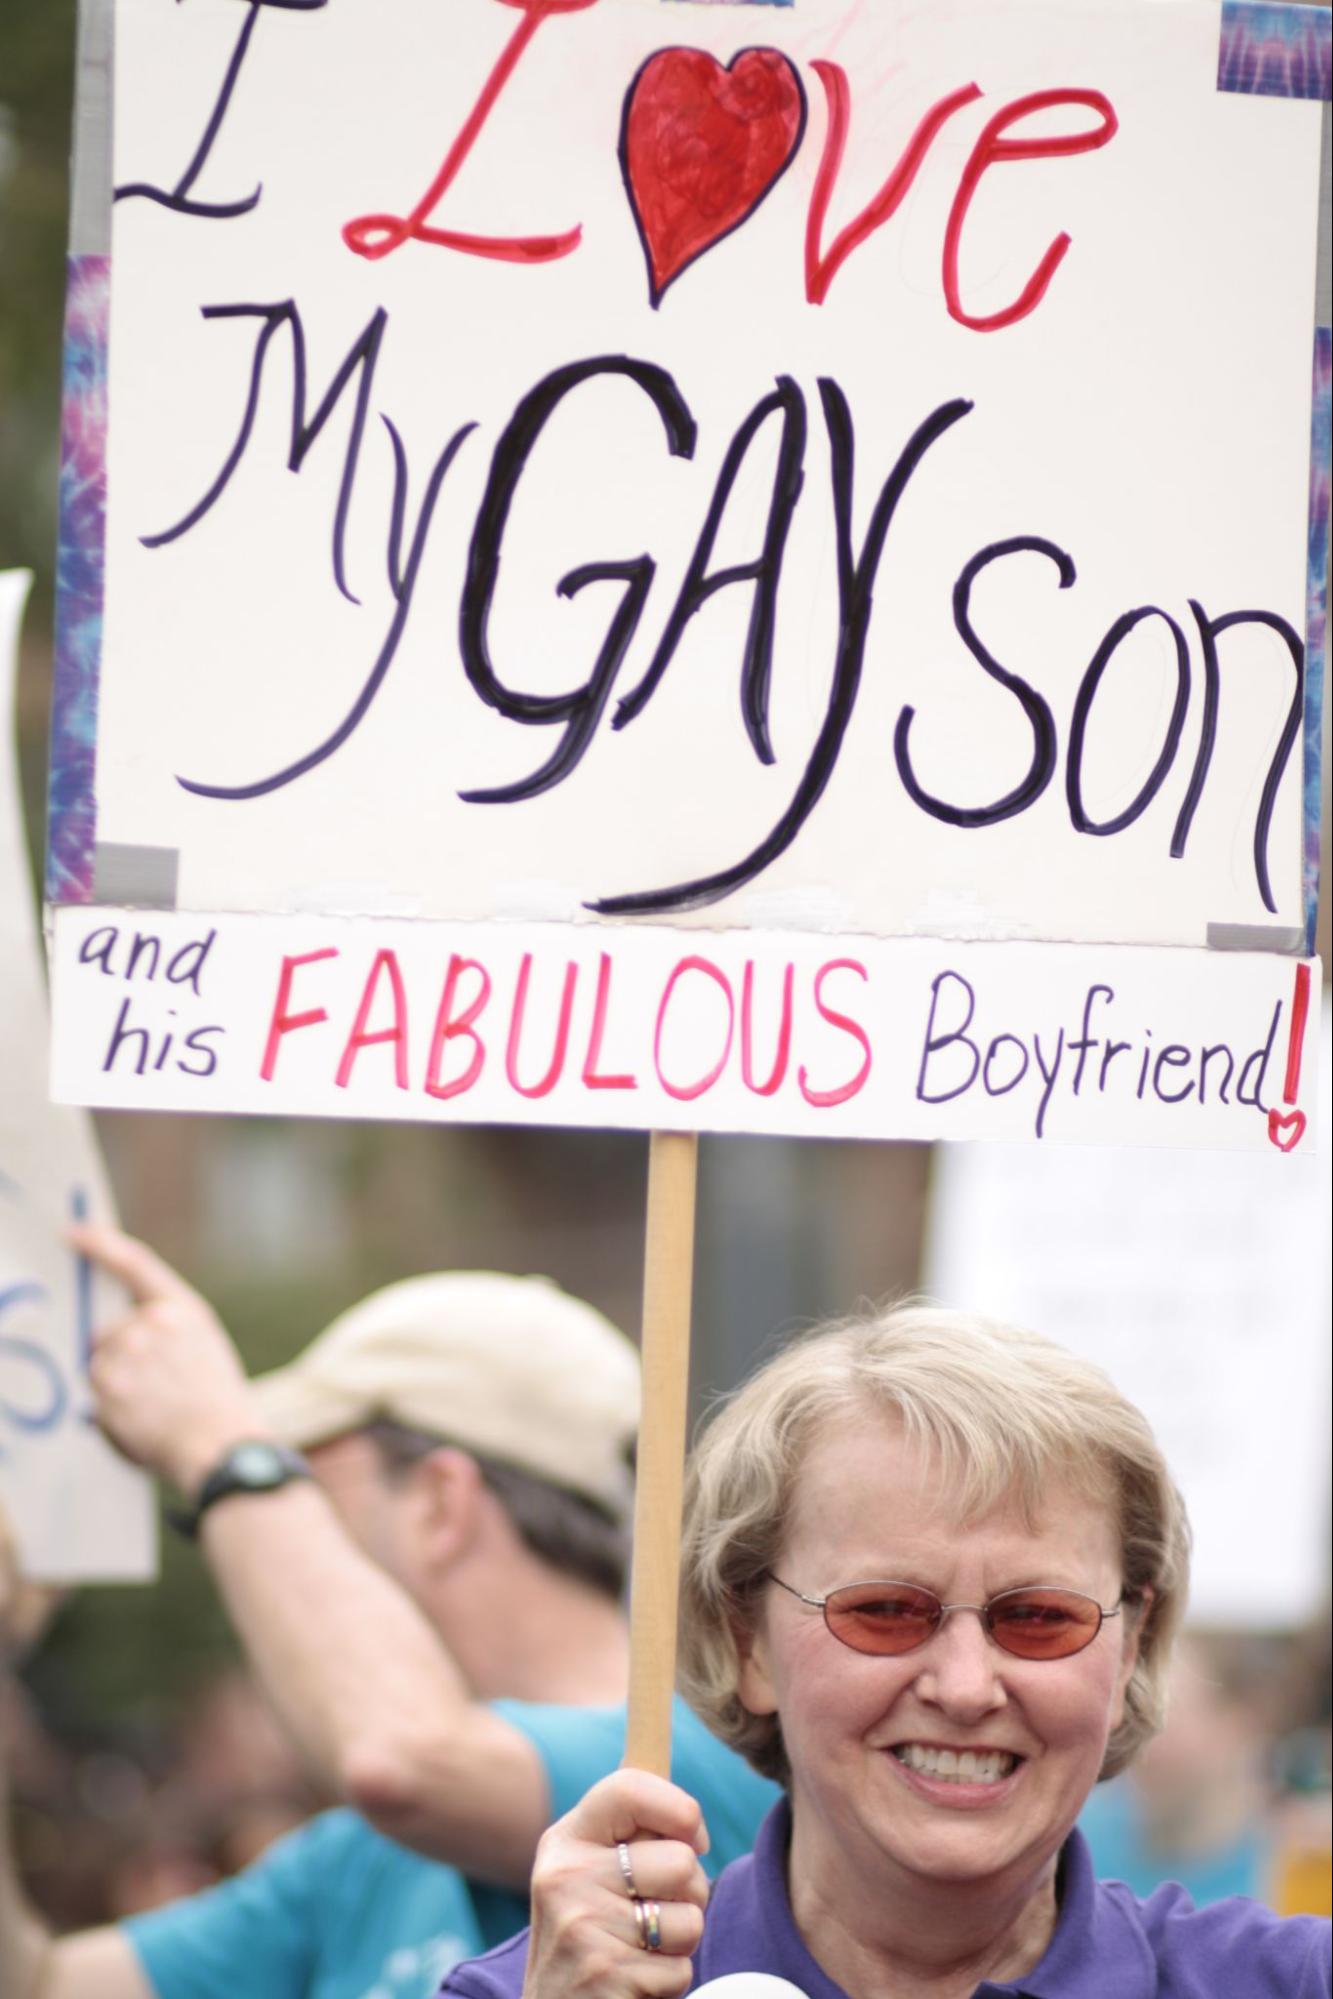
(1136,1615)
(754,1679)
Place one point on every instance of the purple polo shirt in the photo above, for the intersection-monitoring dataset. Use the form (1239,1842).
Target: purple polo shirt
(1107,1944)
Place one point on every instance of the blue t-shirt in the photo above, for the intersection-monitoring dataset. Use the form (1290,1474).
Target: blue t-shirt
(1121,1851)
(336,1911)
(1107,1944)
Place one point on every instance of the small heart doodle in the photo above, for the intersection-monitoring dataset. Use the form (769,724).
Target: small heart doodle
(701,146)
(1286,1129)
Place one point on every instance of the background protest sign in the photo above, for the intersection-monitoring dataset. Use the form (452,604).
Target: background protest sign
(1203,1288)
(79,1511)
(648,468)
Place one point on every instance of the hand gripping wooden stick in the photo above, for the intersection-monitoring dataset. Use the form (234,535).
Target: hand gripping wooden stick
(668,1275)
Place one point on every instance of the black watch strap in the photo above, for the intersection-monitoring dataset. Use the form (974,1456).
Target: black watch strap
(255,1466)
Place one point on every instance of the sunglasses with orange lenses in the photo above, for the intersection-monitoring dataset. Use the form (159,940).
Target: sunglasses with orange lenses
(886,1619)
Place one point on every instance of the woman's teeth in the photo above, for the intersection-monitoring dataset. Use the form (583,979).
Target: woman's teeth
(957,1766)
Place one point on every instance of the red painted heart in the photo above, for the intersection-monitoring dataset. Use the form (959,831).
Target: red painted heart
(702,146)
(1286,1129)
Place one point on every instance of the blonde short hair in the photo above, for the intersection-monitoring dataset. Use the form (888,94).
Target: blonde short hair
(1003,1413)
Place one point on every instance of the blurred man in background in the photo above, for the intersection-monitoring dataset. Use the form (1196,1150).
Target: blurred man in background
(1205,1803)
(419,1530)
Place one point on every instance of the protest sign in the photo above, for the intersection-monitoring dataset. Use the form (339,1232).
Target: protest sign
(1201,1284)
(758,476)
(769,543)
(78,1511)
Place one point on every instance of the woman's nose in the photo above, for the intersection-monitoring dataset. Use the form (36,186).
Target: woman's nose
(960,1666)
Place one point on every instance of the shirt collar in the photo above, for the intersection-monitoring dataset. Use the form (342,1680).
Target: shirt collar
(1097,1950)
(757,1931)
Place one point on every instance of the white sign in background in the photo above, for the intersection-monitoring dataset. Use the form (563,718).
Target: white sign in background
(1202,1285)
(79,1512)
(1142,431)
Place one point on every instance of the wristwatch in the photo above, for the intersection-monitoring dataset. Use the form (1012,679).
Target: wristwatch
(254,1466)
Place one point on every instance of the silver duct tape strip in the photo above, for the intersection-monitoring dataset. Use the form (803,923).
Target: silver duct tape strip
(1271,937)
(135,877)
(90,172)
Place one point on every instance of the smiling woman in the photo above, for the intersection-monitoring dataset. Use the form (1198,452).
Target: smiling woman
(933,1572)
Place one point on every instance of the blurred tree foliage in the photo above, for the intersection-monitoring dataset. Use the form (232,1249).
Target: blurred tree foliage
(36,93)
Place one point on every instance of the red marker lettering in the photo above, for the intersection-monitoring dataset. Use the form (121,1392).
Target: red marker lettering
(685,1093)
(359,1038)
(991,149)
(783,1055)
(823,1099)
(820,270)
(378,235)
(449,1025)
(1286,1129)
(591,1079)
(284,1022)
(556,1069)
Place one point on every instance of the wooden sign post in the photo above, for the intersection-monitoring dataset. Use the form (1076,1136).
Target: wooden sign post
(668,1273)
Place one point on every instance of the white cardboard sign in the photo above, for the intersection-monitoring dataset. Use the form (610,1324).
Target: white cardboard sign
(79,1512)
(529,1024)
(757,470)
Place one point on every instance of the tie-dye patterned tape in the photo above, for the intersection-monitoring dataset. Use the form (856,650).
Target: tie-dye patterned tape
(1272,50)
(1277,50)
(1316,613)
(71,802)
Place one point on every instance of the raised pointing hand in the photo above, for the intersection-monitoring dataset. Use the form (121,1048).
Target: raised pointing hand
(169,1388)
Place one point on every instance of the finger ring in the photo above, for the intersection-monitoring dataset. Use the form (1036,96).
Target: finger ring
(627,1871)
(648,1923)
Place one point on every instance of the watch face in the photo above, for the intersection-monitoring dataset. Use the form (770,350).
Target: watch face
(257,1464)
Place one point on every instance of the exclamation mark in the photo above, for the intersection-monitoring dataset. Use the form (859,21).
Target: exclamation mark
(1286,1129)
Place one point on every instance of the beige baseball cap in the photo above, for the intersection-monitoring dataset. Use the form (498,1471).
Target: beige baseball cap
(513,1368)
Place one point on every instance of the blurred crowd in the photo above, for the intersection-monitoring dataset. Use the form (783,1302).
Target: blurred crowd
(111,1824)
(419,1529)
(1232,1798)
